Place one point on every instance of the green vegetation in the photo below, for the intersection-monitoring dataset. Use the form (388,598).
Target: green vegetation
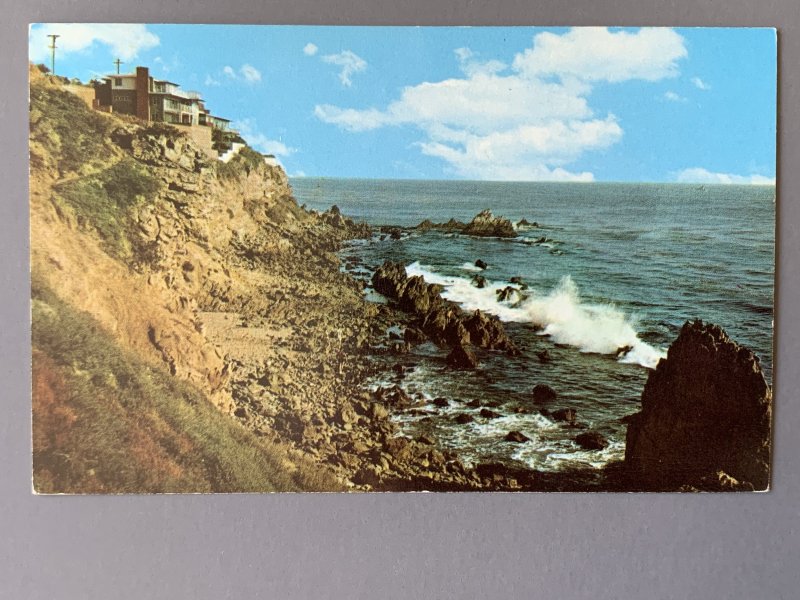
(105,421)
(62,123)
(246,161)
(106,202)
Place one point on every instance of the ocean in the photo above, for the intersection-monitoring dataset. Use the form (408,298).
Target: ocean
(608,266)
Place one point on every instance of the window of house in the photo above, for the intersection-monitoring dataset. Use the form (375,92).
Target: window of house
(117,81)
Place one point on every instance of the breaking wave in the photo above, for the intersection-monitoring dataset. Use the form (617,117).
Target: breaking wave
(593,328)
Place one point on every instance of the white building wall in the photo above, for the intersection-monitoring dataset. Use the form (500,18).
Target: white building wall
(128,82)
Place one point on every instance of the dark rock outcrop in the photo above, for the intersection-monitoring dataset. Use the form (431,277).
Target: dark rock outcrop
(567,415)
(543,393)
(591,440)
(481,264)
(509,294)
(461,357)
(487,225)
(479,281)
(443,321)
(516,436)
(706,409)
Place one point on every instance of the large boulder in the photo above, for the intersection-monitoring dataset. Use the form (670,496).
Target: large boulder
(487,225)
(488,332)
(706,408)
(543,393)
(591,440)
(461,357)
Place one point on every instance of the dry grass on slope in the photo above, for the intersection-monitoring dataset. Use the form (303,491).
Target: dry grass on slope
(106,422)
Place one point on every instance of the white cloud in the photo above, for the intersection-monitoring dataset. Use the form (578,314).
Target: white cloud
(246,73)
(248,128)
(167,65)
(598,54)
(310,49)
(210,81)
(350,62)
(125,41)
(250,73)
(700,175)
(529,121)
(700,84)
(472,66)
(674,97)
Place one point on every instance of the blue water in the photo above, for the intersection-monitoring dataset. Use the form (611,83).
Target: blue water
(622,265)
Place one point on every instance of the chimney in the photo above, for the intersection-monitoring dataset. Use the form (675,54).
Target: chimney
(143,93)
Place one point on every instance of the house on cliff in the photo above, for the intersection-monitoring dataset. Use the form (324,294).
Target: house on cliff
(163,101)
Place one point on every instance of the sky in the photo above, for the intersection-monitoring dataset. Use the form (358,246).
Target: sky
(479,103)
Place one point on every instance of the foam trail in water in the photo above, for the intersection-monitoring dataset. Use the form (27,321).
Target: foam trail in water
(597,328)
(471,267)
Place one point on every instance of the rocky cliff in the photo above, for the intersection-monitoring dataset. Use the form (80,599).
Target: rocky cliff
(705,419)
(134,227)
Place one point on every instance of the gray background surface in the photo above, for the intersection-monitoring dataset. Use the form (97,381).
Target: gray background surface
(392,545)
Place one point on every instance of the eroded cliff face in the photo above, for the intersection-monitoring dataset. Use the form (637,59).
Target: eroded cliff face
(706,417)
(180,249)
(136,227)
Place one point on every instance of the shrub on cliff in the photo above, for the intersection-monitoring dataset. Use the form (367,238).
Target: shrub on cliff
(62,124)
(244,162)
(105,202)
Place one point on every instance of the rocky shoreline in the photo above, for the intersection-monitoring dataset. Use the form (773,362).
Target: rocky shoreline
(239,292)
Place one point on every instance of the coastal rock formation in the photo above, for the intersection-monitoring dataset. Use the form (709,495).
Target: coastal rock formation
(484,224)
(461,357)
(706,409)
(443,321)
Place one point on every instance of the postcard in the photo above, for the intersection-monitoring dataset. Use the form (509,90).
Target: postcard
(295,258)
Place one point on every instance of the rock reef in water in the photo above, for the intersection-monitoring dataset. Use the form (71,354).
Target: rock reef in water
(443,321)
(706,417)
(484,224)
(487,225)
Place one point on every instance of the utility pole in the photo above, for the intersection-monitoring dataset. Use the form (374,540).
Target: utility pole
(53,37)
(118,62)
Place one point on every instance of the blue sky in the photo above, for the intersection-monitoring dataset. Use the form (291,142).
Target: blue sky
(503,103)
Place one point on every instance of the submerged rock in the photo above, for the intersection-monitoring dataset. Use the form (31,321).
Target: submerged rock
(479,281)
(706,409)
(567,415)
(544,356)
(489,414)
(509,294)
(516,436)
(464,418)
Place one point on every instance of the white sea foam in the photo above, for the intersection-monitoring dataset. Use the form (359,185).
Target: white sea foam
(471,267)
(595,328)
